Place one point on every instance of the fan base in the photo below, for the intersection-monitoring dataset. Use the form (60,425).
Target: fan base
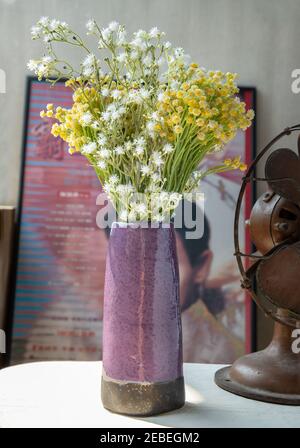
(223,380)
(271,375)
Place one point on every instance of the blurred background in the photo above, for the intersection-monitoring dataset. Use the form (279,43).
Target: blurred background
(258,39)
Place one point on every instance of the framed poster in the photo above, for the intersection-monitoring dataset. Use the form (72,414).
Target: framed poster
(56,304)
(57,312)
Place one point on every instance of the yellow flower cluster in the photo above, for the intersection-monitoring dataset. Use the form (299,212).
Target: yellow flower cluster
(204,107)
(70,126)
(235,164)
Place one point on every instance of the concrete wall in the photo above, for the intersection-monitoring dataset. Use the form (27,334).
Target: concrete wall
(259,39)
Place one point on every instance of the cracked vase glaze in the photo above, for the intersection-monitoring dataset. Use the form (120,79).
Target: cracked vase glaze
(142,340)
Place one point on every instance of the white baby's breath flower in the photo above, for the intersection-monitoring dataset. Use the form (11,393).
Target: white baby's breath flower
(114,179)
(107,187)
(150,126)
(47,38)
(86,118)
(121,110)
(168,148)
(64,26)
(155,177)
(105,92)
(88,71)
(91,26)
(145,169)
(101,164)
(135,97)
(121,36)
(144,93)
(119,150)
(113,110)
(44,21)
(35,32)
(147,60)
(125,188)
(122,57)
(113,26)
(89,148)
(95,125)
(141,208)
(139,150)
(140,141)
(54,24)
(154,32)
(115,115)
(167,45)
(179,52)
(42,70)
(112,107)
(101,44)
(134,55)
(128,146)
(116,94)
(141,34)
(161,96)
(140,144)
(155,116)
(101,139)
(157,158)
(104,153)
(106,115)
(32,65)
(89,60)
(106,33)
(139,43)
(47,59)
(131,95)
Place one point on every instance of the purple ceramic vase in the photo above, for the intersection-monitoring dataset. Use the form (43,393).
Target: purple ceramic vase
(142,341)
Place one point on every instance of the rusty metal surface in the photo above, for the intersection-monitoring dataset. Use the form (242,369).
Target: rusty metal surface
(273,279)
(275,219)
(282,171)
(278,277)
(224,380)
(272,374)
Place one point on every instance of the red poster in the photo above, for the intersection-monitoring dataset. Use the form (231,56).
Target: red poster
(61,256)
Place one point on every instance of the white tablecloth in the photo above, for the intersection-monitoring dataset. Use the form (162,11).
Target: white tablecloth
(67,394)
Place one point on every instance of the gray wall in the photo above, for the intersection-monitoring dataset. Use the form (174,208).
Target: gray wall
(259,39)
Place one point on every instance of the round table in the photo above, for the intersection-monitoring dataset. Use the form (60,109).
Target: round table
(67,394)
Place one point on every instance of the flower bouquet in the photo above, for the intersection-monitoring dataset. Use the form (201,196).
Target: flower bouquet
(143,116)
(146,119)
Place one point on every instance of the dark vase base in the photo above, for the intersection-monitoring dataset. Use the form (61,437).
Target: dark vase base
(142,399)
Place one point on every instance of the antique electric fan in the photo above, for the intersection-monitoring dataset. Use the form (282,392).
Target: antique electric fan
(273,279)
